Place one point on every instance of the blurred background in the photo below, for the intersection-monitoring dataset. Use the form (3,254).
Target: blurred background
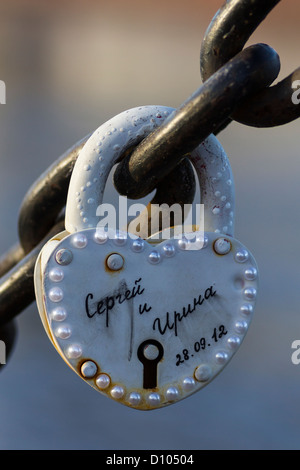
(68,67)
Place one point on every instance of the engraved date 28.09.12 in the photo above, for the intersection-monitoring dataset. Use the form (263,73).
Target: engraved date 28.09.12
(201,345)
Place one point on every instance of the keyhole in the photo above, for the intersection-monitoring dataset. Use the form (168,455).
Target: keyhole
(150,353)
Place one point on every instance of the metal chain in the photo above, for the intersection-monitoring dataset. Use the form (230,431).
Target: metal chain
(236,87)
(202,114)
(227,34)
(227,94)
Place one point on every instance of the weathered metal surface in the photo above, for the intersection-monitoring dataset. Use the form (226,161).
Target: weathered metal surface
(271,107)
(12,257)
(158,329)
(226,36)
(229,30)
(202,114)
(16,286)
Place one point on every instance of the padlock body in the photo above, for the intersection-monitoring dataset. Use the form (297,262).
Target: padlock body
(146,324)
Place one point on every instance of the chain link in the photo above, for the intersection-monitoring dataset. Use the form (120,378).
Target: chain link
(202,114)
(226,36)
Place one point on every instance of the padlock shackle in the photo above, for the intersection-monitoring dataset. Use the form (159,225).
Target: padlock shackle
(216,186)
(110,141)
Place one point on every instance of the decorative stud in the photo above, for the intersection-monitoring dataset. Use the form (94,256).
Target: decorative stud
(115,262)
(58,314)
(250,293)
(169,250)
(56,294)
(222,246)
(183,243)
(100,236)
(138,245)
(120,239)
(79,240)
(74,351)
(103,381)
(241,256)
(134,398)
(172,394)
(241,327)
(153,399)
(203,373)
(188,384)
(63,332)
(88,369)
(64,257)
(154,257)
(117,392)
(221,357)
(247,310)
(56,275)
(233,342)
(251,274)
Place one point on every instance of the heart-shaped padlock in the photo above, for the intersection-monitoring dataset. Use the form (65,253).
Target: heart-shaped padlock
(145,324)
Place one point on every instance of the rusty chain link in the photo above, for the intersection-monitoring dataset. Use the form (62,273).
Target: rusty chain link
(202,114)
(227,34)
(255,104)
(236,86)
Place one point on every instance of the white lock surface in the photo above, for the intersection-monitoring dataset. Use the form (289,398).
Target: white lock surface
(190,310)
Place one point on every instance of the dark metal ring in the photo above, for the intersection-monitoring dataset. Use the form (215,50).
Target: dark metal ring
(16,286)
(202,114)
(226,36)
